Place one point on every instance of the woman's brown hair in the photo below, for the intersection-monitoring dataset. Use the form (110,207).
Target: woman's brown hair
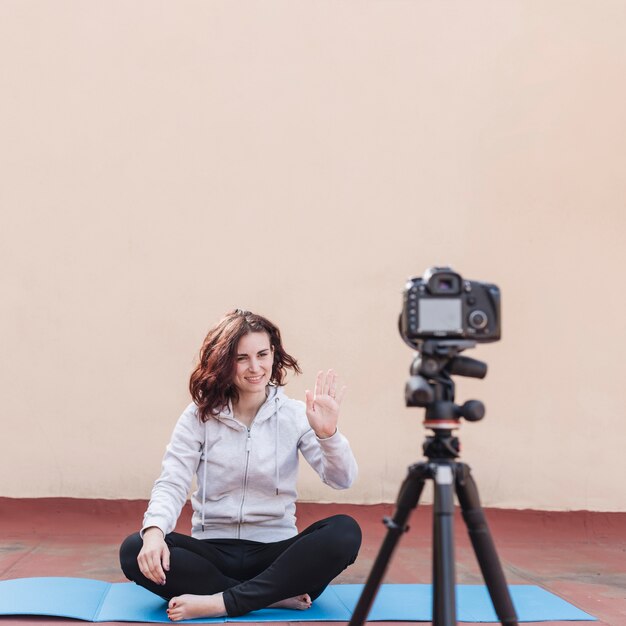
(211,382)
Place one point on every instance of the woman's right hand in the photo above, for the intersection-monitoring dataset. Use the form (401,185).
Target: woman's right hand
(154,557)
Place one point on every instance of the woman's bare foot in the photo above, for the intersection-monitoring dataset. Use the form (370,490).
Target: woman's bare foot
(301,603)
(189,606)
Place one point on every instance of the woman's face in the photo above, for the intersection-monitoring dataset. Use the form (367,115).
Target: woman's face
(253,363)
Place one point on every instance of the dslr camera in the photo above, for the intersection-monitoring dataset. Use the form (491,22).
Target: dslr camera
(441,305)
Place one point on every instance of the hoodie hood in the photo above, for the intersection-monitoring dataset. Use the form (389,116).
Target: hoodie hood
(275,398)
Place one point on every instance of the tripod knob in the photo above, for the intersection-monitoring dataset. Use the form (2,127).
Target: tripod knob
(473,410)
(418,392)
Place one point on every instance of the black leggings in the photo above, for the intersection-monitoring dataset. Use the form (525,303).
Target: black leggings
(251,574)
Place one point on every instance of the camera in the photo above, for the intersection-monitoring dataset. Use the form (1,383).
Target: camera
(443,305)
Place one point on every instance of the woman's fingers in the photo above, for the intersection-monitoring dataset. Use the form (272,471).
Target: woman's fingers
(153,573)
(331,383)
(319,384)
(156,569)
(150,567)
(154,557)
(144,566)
(326,384)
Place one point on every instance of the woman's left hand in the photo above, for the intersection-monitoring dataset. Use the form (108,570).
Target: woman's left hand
(322,407)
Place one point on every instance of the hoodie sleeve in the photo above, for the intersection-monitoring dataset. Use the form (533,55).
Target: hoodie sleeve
(331,458)
(180,462)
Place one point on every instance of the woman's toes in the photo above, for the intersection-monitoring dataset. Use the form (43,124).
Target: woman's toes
(304,600)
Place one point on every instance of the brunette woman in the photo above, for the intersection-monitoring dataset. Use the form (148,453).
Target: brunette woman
(241,437)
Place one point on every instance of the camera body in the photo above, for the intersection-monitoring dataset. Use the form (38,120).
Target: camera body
(443,305)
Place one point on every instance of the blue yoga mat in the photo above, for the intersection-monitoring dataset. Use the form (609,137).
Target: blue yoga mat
(99,601)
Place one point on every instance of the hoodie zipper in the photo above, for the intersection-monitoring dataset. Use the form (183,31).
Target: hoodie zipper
(245,483)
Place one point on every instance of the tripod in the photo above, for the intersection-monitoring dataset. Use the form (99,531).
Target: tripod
(436,393)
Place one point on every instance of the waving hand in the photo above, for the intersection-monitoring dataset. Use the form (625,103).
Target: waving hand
(322,407)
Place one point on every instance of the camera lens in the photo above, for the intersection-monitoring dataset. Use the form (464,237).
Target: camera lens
(478,319)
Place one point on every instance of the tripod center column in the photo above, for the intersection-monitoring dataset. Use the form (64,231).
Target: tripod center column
(444,604)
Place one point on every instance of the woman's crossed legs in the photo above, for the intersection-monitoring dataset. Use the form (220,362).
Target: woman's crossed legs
(214,577)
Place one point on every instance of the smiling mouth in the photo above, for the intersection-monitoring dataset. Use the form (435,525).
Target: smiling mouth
(255,379)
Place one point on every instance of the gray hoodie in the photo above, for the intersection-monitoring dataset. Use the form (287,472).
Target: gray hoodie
(246,477)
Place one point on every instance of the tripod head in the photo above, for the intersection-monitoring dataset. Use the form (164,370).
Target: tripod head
(431,386)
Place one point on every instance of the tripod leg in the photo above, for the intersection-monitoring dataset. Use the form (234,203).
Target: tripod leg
(408,497)
(444,603)
(484,547)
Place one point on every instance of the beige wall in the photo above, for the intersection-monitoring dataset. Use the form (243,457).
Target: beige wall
(162,162)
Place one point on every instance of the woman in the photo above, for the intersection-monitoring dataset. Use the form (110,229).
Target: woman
(241,438)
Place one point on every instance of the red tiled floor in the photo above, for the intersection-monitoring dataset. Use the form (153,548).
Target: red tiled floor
(580,556)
